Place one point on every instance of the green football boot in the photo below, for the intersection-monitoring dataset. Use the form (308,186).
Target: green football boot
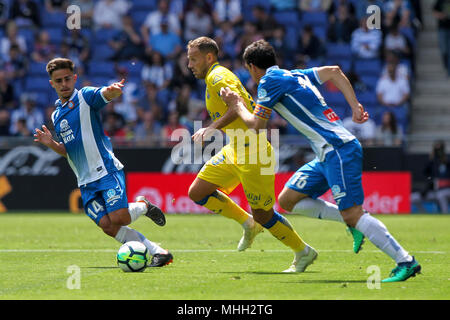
(358,239)
(403,271)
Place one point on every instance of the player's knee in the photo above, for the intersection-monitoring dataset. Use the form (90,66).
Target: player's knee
(106,225)
(351,216)
(120,217)
(285,202)
(195,194)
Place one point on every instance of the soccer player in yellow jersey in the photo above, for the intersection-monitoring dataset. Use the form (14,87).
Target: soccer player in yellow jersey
(234,164)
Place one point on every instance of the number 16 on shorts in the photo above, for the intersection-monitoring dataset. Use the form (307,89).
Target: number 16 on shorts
(299,180)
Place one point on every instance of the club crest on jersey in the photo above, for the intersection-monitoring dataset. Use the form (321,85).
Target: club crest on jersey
(331,115)
(262,95)
(66,132)
(216,79)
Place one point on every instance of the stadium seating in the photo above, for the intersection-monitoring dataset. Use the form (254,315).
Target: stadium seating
(102,52)
(37,69)
(368,67)
(101,69)
(144,5)
(53,19)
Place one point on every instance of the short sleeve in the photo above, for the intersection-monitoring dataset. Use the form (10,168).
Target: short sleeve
(94,97)
(312,75)
(269,92)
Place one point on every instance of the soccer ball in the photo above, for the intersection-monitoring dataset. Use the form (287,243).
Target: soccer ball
(132,257)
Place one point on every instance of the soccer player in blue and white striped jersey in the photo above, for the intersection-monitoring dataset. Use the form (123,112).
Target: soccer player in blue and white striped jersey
(293,94)
(88,150)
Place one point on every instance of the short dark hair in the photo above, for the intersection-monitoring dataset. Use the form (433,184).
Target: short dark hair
(59,63)
(205,45)
(261,54)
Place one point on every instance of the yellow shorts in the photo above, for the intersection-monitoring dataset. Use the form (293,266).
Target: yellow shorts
(256,175)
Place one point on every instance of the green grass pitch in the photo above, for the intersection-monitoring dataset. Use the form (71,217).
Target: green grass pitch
(36,250)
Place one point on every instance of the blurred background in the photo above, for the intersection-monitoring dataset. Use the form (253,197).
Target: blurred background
(400,72)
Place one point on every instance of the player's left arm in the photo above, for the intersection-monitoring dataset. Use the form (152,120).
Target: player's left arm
(113,91)
(235,102)
(338,78)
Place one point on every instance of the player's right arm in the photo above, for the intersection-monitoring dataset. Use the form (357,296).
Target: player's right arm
(44,136)
(338,78)
(235,102)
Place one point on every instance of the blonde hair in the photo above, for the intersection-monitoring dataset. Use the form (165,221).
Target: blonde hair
(205,45)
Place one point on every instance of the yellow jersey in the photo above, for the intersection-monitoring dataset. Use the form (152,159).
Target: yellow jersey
(249,158)
(216,78)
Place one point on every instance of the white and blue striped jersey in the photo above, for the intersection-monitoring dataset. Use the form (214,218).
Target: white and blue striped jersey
(294,95)
(77,124)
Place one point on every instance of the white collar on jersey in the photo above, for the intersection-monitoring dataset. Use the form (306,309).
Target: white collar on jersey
(273,68)
(58,102)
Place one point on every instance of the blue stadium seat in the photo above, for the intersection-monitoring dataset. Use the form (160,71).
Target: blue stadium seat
(99,81)
(37,69)
(104,35)
(319,18)
(138,17)
(339,51)
(408,32)
(29,36)
(370,81)
(144,5)
(36,83)
(314,63)
(42,98)
(53,19)
(99,68)
(287,18)
(367,98)
(102,52)
(368,66)
(249,4)
(321,32)
(291,37)
(134,68)
(56,34)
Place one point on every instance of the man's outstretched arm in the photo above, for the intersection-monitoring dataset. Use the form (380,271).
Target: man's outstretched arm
(338,78)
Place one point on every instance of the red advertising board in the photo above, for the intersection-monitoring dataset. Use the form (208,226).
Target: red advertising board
(385,192)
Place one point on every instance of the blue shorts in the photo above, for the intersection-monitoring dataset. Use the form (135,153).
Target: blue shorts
(104,196)
(341,171)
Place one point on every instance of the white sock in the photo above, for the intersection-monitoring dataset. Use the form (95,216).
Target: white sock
(126,234)
(136,209)
(318,209)
(378,234)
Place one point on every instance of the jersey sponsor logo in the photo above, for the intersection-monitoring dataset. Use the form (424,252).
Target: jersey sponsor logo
(331,115)
(214,115)
(66,132)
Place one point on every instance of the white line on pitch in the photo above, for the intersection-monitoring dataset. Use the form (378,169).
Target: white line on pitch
(184,250)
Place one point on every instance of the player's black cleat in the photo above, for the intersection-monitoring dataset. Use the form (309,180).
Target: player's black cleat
(153,212)
(161,259)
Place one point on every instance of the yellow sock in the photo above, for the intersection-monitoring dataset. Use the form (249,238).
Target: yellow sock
(281,229)
(220,203)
